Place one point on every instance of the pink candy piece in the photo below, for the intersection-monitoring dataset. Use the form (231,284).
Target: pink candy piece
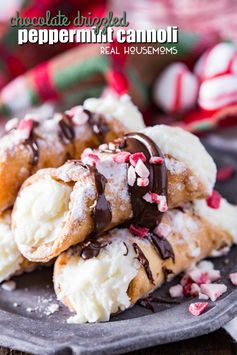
(161,201)
(138,231)
(131,176)
(199,276)
(135,157)
(151,197)
(226,173)
(218,92)
(26,125)
(121,157)
(88,157)
(213,291)
(214,200)
(163,230)
(79,117)
(217,61)
(233,278)
(197,308)
(176,291)
(195,289)
(141,169)
(156,160)
(142,182)
(162,206)
(176,89)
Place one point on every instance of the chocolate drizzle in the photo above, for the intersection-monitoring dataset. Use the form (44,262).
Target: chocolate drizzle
(98,125)
(102,210)
(88,249)
(162,246)
(126,253)
(91,249)
(67,133)
(31,142)
(143,261)
(146,214)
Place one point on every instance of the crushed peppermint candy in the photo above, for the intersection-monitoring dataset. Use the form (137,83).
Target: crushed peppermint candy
(122,157)
(143,182)
(213,291)
(152,197)
(176,291)
(78,115)
(233,278)
(9,285)
(225,173)
(160,200)
(197,308)
(89,157)
(163,230)
(214,200)
(131,176)
(156,160)
(195,290)
(141,169)
(138,231)
(135,157)
(201,296)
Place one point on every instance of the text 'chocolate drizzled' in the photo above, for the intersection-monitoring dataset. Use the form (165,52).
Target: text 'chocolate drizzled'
(146,214)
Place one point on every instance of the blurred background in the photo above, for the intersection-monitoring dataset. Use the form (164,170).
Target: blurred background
(196,88)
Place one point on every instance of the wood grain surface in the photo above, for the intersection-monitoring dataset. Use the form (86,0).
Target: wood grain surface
(217,343)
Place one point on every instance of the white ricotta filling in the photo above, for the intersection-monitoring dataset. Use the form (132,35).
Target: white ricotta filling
(225,217)
(118,107)
(10,256)
(40,212)
(97,287)
(186,148)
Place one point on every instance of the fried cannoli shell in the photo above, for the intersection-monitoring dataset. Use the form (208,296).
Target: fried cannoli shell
(32,144)
(191,238)
(80,219)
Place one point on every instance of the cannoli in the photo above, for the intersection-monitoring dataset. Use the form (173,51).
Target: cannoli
(107,275)
(129,179)
(31,144)
(11,260)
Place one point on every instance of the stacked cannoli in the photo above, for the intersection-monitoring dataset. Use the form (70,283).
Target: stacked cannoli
(152,215)
(128,181)
(34,143)
(135,210)
(97,279)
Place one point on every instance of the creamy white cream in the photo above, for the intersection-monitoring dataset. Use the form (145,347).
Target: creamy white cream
(97,287)
(10,256)
(119,107)
(186,148)
(40,211)
(224,217)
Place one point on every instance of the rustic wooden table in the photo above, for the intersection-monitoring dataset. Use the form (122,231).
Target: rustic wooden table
(217,343)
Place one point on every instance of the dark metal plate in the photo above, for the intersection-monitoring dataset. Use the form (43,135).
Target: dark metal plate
(136,328)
